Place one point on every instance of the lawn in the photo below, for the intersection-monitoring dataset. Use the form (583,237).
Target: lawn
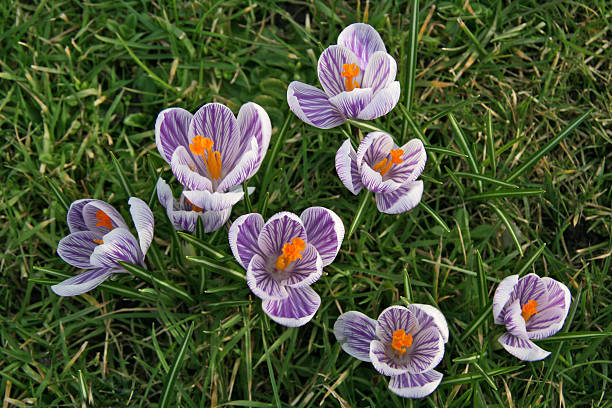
(512,99)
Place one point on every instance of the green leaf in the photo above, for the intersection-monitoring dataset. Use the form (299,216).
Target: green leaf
(507,193)
(166,286)
(168,392)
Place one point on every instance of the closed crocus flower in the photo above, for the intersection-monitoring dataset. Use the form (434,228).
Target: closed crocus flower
(405,343)
(212,152)
(358,80)
(184,215)
(531,308)
(100,238)
(284,256)
(385,169)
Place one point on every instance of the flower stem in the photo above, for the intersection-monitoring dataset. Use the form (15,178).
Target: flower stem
(363,203)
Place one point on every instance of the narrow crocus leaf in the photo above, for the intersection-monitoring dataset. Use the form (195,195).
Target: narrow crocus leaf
(122,179)
(509,227)
(477,322)
(413,39)
(202,245)
(365,198)
(580,336)
(147,276)
(525,268)
(279,138)
(169,391)
(58,193)
(270,368)
(506,193)
(219,268)
(465,146)
(435,215)
(486,179)
(491,143)
(533,159)
(469,378)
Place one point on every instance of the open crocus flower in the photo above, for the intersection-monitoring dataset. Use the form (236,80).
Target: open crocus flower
(99,238)
(387,170)
(184,215)
(212,152)
(531,308)
(284,256)
(358,80)
(405,343)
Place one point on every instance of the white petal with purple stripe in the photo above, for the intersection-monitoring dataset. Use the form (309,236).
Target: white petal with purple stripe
(363,40)
(410,385)
(76,248)
(428,315)
(324,230)
(188,172)
(119,245)
(280,229)
(296,310)
(355,331)
(384,361)
(426,351)
(214,201)
(353,102)
(83,282)
(330,67)
(394,318)
(75,215)
(143,220)
(243,235)
(306,270)
(382,102)
(381,71)
(523,349)
(347,169)
(502,294)
(255,122)
(261,281)
(90,211)
(402,199)
(171,128)
(312,106)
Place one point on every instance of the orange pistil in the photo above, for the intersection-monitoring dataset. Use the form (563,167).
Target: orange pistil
(384,165)
(350,71)
(529,309)
(194,207)
(104,220)
(202,146)
(401,341)
(98,241)
(291,252)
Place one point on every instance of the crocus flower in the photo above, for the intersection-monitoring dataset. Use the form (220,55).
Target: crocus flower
(405,343)
(99,238)
(184,215)
(212,152)
(531,308)
(358,80)
(387,170)
(284,256)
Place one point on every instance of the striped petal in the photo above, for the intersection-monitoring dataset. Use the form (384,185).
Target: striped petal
(523,349)
(412,165)
(261,281)
(363,40)
(76,248)
(394,318)
(353,102)
(382,102)
(410,385)
(551,317)
(374,148)
(75,215)
(502,294)
(214,201)
(119,245)
(355,331)
(243,235)
(171,128)
(312,106)
(384,361)
(330,68)
(95,221)
(306,270)
(296,310)
(324,230)
(243,169)
(83,282)
(514,321)
(254,122)
(347,169)
(188,172)
(428,315)
(280,229)
(426,351)
(402,199)
(381,71)
(143,220)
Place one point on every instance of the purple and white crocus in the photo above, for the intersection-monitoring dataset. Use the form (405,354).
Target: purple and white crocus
(405,343)
(184,215)
(387,170)
(531,308)
(100,238)
(212,152)
(358,80)
(284,256)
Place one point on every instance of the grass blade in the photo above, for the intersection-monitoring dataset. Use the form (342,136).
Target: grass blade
(465,147)
(220,268)
(122,179)
(147,276)
(547,147)
(168,390)
(506,220)
(365,198)
(412,54)
(435,215)
(491,142)
(484,178)
(506,193)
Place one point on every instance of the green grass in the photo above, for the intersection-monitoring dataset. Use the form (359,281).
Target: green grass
(514,99)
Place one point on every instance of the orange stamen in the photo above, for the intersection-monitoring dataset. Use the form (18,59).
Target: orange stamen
(529,309)
(401,341)
(194,207)
(350,71)
(202,146)
(98,241)
(384,165)
(291,252)
(104,220)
